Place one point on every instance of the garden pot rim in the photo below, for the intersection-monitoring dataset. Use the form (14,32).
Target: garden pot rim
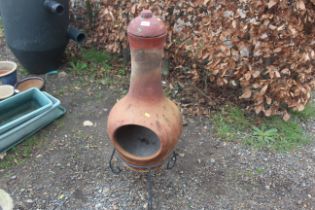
(11,70)
(9,91)
(30,78)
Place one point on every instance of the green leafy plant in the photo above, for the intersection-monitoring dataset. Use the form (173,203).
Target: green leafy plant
(265,135)
(103,75)
(78,66)
(23,71)
(95,56)
(96,64)
(122,71)
(231,124)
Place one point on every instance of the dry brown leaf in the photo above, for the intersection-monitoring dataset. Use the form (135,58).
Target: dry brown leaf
(268,112)
(259,109)
(255,49)
(256,74)
(300,5)
(272,3)
(205,2)
(300,107)
(286,116)
(246,94)
(263,90)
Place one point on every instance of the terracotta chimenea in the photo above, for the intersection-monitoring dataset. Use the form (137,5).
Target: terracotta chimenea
(144,126)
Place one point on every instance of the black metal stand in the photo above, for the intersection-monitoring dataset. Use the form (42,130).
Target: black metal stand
(115,170)
(170,164)
(149,190)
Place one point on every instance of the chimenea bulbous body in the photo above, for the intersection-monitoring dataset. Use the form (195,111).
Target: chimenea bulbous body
(144,126)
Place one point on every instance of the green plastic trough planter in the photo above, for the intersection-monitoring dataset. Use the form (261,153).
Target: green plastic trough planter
(30,127)
(22,107)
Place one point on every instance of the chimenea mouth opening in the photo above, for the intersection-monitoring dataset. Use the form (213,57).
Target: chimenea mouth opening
(137,140)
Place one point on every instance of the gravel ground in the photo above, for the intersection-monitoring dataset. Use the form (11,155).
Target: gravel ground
(70,171)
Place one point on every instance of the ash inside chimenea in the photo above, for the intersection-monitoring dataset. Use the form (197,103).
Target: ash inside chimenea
(137,140)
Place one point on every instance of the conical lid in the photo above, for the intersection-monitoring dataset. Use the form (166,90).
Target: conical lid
(146,25)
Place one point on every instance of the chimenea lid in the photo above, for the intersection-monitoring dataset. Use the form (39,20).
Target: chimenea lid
(146,25)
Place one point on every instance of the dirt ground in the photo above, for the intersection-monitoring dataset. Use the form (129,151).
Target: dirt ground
(70,170)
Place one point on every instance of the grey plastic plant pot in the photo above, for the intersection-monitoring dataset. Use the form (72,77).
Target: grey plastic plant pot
(22,107)
(30,127)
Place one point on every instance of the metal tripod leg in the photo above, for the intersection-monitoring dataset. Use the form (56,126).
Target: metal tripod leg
(115,170)
(172,161)
(149,190)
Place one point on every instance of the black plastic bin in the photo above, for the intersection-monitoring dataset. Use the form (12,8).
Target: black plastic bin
(37,32)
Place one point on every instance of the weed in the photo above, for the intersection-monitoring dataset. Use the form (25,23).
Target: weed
(20,153)
(290,134)
(78,66)
(94,56)
(23,71)
(94,63)
(259,170)
(273,133)
(230,122)
(104,74)
(265,135)
(122,71)
(98,67)
(61,92)
(308,112)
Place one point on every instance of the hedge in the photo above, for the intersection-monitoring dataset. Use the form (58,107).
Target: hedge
(264,49)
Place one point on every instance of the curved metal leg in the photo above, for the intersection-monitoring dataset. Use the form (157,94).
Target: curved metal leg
(115,170)
(149,189)
(172,161)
